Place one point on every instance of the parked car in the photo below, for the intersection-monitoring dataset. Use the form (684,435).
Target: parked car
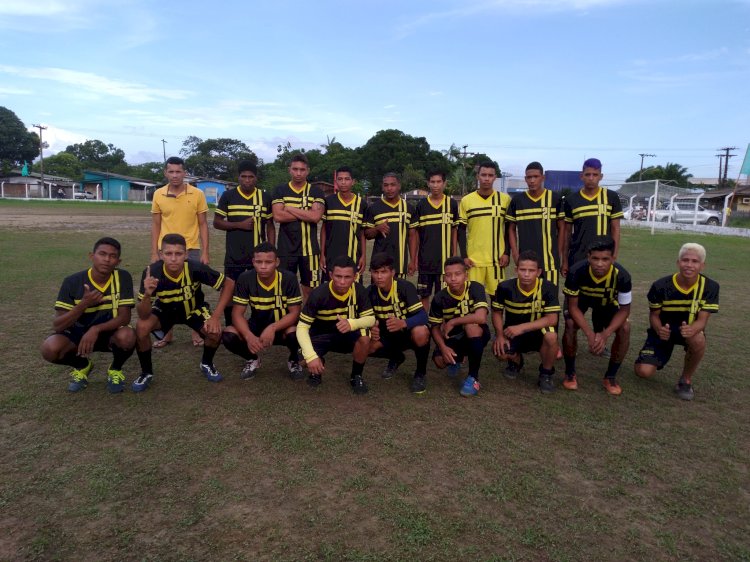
(637,213)
(83,195)
(684,212)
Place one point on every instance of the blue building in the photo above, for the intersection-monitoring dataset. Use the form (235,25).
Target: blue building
(116,187)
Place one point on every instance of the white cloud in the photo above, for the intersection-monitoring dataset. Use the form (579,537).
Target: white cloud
(58,139)
(14,92)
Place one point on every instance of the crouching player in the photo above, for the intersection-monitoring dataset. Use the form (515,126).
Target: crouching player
(170,294)
(458,322)
(337,318)
(275,301)
(401,321)
(604,286)
(525,313)
(680,306)
(92,313)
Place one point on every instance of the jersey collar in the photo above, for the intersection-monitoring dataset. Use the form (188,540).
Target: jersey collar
(535,200)
(603,278)
(587,198)
(462,295)
(175,279)
(684,291)
(102,288)
(343,297)
(300,190)
(439,205)
(532,291)
(273,283)
(391,292)
(398,202)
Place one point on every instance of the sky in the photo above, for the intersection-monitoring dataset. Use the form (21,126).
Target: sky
(556,81)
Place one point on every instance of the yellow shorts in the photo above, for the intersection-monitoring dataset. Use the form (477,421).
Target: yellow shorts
(488,276)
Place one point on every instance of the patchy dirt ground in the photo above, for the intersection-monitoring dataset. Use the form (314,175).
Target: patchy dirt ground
(67,217)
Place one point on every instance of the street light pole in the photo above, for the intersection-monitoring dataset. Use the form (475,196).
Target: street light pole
(164,149)
(644,155)
(41,155)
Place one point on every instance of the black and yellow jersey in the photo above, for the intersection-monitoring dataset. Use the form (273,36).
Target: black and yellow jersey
(298,238)
(324,306)
(521,307)
(434,224)
(268,304)
(445,305)
(181,295)
(590,216)
(117,292)
(676,305)
(484,218)
(343,223)
(395,244)
(400,302)
(613,289)
(536,225)
(235,206)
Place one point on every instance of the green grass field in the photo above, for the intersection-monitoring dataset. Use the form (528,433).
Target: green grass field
(271,470)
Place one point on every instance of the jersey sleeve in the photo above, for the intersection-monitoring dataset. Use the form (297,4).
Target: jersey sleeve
(267,213)
(567,211)
(415,214)
(155,208)
(572,284)
(241,294)
(435,316)
(290,289)
(410,212)
(207,275)
(614,200)
(478,295)
(66,296)
(278,195)
(126,288)
(454,212)
(511,214)
(655,297)
(202,204)
(317,195)
(364,306)
(551,300)
(498,302)
(369,221)
(310,309)
(411,298)
(222,209)
(710,301)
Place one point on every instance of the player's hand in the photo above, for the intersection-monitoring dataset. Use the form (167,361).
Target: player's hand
(323,262)
(503,261)
(411,268)
(375,332)
(361,264)
(267,336)
(91,297)
(449,356)
(469,263)
(564,268)
(597,343)
(316,366)
(342,325)
(501,346)
(446,327)
(88,341)
(212,325)
(687,330)
(383,228)
(246,224)
(150,283)
(511,332)
(515,256)
(204,258)
(394,324)
(254,344)
(665,332)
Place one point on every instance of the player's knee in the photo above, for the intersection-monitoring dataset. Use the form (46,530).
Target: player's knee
(644,370)
(697,342)
(550,339)
(50,350)
(124,338)
(142,328)
(473,330)
(420,335)
(624,330)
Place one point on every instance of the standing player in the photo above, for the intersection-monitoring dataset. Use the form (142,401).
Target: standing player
(525,312)
(458,321)
(298,208)
(92,313)
(179,208)
(336,318)
(343,233)
(245,214)
(592,211)
(536,222)
(680,306)
(170,294)
(388,221)
(401,321)
(432,239)
(275,301)
(604,286)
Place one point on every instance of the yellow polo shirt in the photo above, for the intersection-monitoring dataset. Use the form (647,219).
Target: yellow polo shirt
(179,215)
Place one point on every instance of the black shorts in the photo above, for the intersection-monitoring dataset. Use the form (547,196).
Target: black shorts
(459,343)
(195,320)
(233,271)
(530,342)
(656,351)
(601,316)
(75,334)
(257,330)
(393,342)
(308,267)
(335,342)
(429,284)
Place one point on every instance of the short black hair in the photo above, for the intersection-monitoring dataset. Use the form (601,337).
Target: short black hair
(176,160)
(455,260)
(392,175)
(436,173)
(176,239)
(299,157)
(107,241)
(341,169)
(265,247)
(342,261)
(601,244)
(247,166)
(535,166)
(530,255)
(488,164)
(381,260)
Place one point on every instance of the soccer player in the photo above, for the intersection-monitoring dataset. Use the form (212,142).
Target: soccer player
(592,211)
(170,294)
(275,301)
(481,234)
(388,221)
(604,286)
(458,322)
(432,238)
(401,321)
(245,214)
(343,233)
(525,312)
(336,318)
(92,313)
(680,306)
(536,222)
(179,208)
(298,208)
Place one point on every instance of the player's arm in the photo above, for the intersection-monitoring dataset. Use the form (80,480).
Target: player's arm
(413,250)
(513,241)
(363,247)
(479,316)
(281,213)
(225,297)
(500,344)
(454,240)
(505,258)
(203,233)
(546,321)
(155,231)
(222,223)
(561,238)
(568,229)
(271,231)
(698,325)
(620,317)
(614,227)
(290,319)
(311,215)
(323,238)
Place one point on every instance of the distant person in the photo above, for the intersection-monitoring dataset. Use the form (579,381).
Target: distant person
(179,208)
(388,221)
(601,284)
(170,294)
(536,222)
(92,313)
(525,313)
(458,321)
(680,306)
(592,211)
(298,208)
(337,317)
(401,322)
(343,231)
(274,299)
(433,237)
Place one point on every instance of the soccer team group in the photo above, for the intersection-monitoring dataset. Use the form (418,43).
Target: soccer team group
(459,251)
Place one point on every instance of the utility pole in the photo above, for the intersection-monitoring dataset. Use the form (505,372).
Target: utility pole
(719,184)
(727,156)
(41,155)
(164,149)
(644,155)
